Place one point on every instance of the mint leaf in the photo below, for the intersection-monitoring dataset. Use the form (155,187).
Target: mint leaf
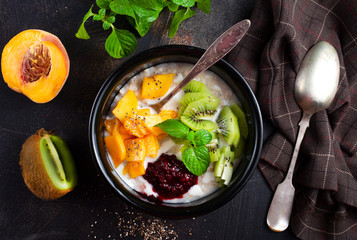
(82,32)
(110,19)
(191,137)
(202,137)
(122,7)
(174,128)
(173,7)
(102,12)
(148,10)
(97,17)
(140,25)
(120,43)
(106,25)
(103,3)
(180,16)
(204,5)
(184,3)
(196,159)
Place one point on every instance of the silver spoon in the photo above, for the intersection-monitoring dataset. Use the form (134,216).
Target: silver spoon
(218,49)
(315,87)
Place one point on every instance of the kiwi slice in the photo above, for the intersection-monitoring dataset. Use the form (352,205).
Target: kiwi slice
(196,123)
(202,108)
(223,169)
(193,96)
(189,98)
(214,152)
(195,86)
(228,126)
(47,165)
(242,120)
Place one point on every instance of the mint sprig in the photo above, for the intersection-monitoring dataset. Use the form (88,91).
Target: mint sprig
(141,15)
(196,155)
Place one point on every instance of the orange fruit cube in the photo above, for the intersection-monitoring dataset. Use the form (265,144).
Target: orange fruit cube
(126,105)
(135,149)
(116,148)
(152,145)
(156,86)
(134,168)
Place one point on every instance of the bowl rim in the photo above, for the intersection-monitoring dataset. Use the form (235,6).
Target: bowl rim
(162,210)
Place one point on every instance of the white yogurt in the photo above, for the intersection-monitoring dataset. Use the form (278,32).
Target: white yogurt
(206,182)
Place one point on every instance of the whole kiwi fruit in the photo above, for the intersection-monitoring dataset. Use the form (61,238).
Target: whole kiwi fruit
(47,165)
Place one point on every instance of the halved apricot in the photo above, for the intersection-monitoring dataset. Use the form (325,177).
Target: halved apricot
(36,64)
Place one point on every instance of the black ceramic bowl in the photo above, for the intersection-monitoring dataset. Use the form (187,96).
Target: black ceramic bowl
(186,54)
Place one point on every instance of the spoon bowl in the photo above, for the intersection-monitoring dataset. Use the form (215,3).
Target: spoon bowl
(315,87)
(317,79)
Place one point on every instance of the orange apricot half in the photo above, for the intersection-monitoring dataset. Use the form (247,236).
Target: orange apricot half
(36,64)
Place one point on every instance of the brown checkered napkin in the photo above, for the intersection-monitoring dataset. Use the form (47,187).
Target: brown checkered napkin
(325,178)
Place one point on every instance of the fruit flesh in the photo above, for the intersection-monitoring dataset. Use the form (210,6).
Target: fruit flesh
(16,52)
(48,171)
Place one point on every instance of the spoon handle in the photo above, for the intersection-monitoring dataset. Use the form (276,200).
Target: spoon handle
(218,49)
(280,208)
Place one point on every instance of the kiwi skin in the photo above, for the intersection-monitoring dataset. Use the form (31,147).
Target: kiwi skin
(33,169)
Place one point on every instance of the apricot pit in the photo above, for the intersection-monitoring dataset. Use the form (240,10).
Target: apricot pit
(36,64)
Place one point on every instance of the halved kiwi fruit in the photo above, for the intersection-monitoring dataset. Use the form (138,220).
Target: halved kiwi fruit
(228,126)
(47,166)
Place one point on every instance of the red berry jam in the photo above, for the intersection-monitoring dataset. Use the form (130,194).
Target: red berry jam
(169,177)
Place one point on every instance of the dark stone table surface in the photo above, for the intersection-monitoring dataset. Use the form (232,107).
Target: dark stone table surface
(93,210)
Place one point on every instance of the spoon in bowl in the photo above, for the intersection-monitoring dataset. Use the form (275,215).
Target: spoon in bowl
(315,87)
(218,49)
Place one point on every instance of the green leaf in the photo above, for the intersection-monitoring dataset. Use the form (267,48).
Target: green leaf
(184,3)
(180,16)
(102,12)
(204,5)
(122,7)
(120,43)
(110,19)
(82,32)
(196,159)
(191,137)
(173,7)
(106,25)
(202,137)
(174,128)
(103,3)
(97,17)
(148,10)
(140,25)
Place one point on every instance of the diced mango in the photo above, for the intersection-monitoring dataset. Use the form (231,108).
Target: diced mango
(135,149)
(116,148)
(161,136)
(151,121)
(125,134)
(112,125)
(134,125)
(152,145)
(126,106)
(156,86)
(168,114)
(134,168)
